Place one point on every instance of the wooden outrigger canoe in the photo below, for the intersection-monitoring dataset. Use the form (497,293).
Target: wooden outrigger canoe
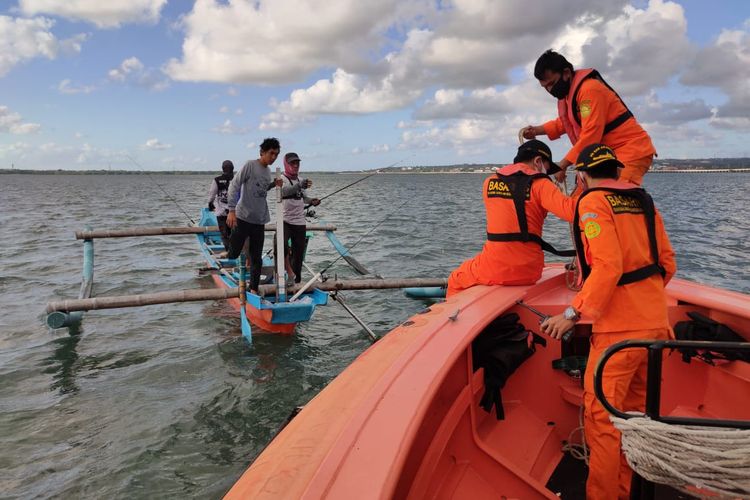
(404,421)
(267,312)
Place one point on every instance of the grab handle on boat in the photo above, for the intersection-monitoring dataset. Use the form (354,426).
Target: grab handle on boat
(653,379)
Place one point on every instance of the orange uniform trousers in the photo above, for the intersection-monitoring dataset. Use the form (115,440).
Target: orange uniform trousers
(635,169)
(624,385)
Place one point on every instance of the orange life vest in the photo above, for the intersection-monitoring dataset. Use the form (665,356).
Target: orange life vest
(568,111)
(516,186)
(629,201)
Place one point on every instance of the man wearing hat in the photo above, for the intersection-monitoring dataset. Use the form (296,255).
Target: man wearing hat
(626,261)
(516,199)
(295,198)
(218,192)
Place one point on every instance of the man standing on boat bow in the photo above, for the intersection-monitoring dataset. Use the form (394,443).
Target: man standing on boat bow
(248,209)
(589,112)
(626,261)
(517,199)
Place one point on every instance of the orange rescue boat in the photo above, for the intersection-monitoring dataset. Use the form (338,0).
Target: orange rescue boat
(404,420)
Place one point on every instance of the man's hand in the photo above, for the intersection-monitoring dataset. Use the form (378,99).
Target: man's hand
(315,202)
(556,326)
(564,164)
(308,184)
(531,131)
(231,219)
(211,206)
(278,182)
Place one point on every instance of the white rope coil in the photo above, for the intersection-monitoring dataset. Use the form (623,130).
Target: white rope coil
(708,462)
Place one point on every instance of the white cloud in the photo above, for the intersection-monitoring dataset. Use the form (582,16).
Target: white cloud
(232,91)
(251,145)
(15,150)
(654,40)
(283,121)
(155,145)
(24,39)
(65,87)
(379,148)
(271,42)
(228,128)
(224,109)
(13,123)
(132,71)
(725,64)
(239,111)
(672,113)
(102,13)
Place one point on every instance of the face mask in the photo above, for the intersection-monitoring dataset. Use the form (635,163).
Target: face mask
(560,89)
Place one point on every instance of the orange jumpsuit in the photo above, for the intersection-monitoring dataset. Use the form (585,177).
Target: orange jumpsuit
(615,240)
(597,106)
(511,262)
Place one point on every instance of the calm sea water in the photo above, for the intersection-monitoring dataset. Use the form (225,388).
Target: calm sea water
(170,401)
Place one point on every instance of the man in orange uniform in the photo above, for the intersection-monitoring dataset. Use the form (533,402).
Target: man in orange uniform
(589,112)
(627,260)
(517,199)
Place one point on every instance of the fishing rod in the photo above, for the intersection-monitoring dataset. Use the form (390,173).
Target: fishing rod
(160,187)
(366,234)
(359,180)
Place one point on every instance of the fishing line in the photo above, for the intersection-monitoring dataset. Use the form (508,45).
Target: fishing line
(364,235)
(359,180)
(160,186)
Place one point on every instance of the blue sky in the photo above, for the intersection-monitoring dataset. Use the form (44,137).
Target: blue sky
(86,84)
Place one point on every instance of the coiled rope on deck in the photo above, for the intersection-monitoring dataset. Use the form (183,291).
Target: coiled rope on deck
(708,462)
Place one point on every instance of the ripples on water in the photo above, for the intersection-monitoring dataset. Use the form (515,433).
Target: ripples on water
(167,401)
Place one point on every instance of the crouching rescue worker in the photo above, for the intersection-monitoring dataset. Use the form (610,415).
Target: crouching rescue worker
(590,111)
(516,199)
(626,260)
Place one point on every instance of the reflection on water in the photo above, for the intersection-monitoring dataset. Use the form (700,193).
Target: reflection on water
(167,401)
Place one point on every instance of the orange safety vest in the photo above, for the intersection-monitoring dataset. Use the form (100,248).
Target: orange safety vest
(516,186)
(568,111)
(629,201)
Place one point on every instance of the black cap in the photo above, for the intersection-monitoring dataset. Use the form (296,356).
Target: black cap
(227,166)
(290,157)
(594,155)
(538,147)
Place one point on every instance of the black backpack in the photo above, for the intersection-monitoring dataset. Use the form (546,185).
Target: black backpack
(701,327)
(501,348)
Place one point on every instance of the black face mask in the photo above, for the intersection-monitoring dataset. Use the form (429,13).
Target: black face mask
(560,89)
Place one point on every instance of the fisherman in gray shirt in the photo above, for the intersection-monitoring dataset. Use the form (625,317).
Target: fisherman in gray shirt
(248,209)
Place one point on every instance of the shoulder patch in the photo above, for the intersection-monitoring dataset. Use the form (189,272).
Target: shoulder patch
(588,215)
(585,108)
(592,229)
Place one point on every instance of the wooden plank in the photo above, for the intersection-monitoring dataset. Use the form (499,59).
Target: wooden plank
(146,299)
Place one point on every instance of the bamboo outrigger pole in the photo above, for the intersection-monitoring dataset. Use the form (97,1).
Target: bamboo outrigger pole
(115,302)
(164,231)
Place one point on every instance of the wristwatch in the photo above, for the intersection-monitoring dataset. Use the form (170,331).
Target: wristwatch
(571,314)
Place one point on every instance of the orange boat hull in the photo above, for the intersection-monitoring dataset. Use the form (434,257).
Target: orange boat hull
(259,317)
(403,420)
